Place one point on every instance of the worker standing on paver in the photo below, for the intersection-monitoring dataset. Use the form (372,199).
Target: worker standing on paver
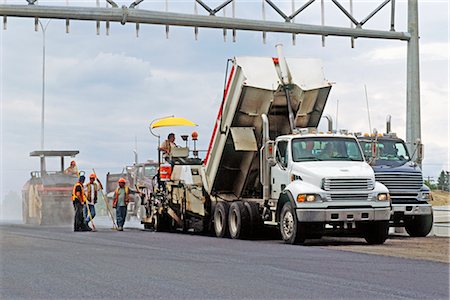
(92,189)
(120,202)
(167,146)
(78,200)
(72,169)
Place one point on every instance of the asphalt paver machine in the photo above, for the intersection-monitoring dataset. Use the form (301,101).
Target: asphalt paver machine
(46,195)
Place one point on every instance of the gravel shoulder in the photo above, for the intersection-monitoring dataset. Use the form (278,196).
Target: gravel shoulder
(427,248)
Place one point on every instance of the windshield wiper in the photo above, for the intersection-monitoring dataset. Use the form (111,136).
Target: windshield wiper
(309,158)
(346,157)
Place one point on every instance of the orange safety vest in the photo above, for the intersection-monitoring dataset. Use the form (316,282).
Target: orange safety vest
(74,195)
(116,196)
(88,186)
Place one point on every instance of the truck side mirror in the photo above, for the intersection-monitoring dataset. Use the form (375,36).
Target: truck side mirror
(419,149)
(270,156)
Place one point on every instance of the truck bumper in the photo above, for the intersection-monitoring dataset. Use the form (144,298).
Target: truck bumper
(344,215)
(412,209)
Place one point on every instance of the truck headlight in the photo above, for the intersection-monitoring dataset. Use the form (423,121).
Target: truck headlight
(310,198)
(306,197)
(384,197)
(425,196)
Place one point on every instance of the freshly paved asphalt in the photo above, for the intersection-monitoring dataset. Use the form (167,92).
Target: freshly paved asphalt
(56,263)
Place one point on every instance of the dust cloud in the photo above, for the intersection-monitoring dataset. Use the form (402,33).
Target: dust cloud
(11,207)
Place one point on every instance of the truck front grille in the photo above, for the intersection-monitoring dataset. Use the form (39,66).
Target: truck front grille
(400,182)
(349,197)
(348,184)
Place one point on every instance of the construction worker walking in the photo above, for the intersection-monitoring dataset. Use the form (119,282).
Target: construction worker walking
(120,202)
(92,189)
(78,200)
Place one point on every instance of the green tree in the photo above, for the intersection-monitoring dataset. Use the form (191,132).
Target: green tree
(430,185)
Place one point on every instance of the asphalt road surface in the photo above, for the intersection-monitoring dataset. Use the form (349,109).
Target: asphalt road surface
(56,263)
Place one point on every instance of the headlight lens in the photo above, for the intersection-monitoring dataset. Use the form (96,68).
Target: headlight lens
(425,196)
(306,197)
(384,197)
(310,198)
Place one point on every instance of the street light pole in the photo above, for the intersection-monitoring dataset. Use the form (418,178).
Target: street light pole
(44,28)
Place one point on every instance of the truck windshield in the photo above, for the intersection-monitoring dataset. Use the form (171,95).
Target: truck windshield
(150,171)
(387,150)
(325,148)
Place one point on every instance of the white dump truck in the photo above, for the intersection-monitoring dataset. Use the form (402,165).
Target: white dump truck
(267,166)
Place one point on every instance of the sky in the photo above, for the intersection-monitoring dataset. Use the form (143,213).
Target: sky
(102,91)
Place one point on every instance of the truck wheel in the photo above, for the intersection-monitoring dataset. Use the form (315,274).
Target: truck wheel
(256,222)
(292,232)
(238,220)
(160,223)
(221,219)
(377,232)
(419,226)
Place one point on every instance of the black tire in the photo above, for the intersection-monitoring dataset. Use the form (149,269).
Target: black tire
(161,223)
(256,222)
(238,220)
(419,226)
(292,231)
(148,226)
(221,219)
(376,233)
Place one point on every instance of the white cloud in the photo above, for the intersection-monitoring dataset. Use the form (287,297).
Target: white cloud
(428,52)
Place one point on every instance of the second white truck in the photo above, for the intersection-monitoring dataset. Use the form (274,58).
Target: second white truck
(267,166)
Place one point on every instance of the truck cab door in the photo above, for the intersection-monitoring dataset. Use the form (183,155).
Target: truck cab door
(279,173)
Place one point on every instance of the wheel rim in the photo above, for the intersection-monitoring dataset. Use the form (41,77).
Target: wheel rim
(218,221)
(233,221)
(288,224)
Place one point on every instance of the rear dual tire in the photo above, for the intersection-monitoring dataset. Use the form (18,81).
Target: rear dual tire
(238,220)
(221,219)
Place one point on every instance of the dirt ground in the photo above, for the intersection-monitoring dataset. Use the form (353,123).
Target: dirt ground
(440,198)
(427,248)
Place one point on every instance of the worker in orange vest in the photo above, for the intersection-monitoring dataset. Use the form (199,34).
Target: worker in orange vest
(92,189)
(78,201)
(120,202)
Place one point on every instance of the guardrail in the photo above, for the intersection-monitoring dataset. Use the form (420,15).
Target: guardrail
(441,221)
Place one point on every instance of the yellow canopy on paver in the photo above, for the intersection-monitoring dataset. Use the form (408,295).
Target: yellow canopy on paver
(172,121)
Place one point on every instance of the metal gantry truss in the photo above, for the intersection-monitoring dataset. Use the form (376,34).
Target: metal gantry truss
(131,14)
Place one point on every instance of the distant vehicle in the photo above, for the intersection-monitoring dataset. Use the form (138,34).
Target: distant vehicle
(46,196)
(139,177)
(392,164)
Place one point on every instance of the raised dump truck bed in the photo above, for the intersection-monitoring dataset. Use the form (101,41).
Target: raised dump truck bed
(254,88)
